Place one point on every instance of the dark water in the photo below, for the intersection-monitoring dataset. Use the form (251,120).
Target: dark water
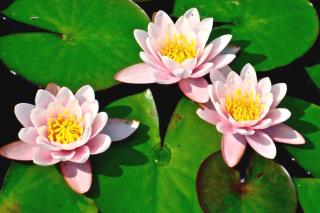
(15,89)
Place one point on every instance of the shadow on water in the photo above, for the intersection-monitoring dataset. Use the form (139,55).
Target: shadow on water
(121,154)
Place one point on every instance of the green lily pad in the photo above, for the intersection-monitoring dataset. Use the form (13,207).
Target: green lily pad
(308,193)
(87,42)
(31,188)
(268,187)
(136,175)
(271,33)
(305,119)
(314,73)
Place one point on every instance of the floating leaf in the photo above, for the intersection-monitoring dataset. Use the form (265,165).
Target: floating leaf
(271,33)
(268,187)
(314,73)
(305,119)
(137,175)
(87,41)
(32,188)
(308,193)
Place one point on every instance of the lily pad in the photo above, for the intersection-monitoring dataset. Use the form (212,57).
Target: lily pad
(31,188)
(305,119)
(308,193)
(86,42)
(271,33)
(314,73)
(268,187)
(137,175)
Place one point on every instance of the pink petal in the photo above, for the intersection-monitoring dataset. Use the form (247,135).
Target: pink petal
(279,91)
(18,150)
(53,88)
(74,108)
(77,175)
(245,131)
(222,60)
(43,157)
(141,37)
(152,62)
(220,88)
(99,123)
(119,129)
(264,86)
(231,49)
(248,75)
(54,109)
(202,70)
(28,135)
(233,79)
(232,148)
(279,115)
(193,17)
(154,31)
(170,63)
(45,143)
(151,47)
(84,94)
(137,74)
(225,128)
(262,144)
(265,123)
(181,73)
(43,98)
(39,117)
(64,96)
(195,88)
(285,134)
(203,56)
(165,78)
(209,116)
(220,75)
(204,30)
(189,64)
(162,19)
(99,144)
(91,107)
(218,45)
(63,155)
(22,112)
(81,154)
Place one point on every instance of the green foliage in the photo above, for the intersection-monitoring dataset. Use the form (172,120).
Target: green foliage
(271,33)
(87,41)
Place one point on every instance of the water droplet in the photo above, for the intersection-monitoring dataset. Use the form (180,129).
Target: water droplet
(4,18)
(242,180)
(13,72)
(299,185)
(293,159)
(33,17)
(161,155)
(309,173)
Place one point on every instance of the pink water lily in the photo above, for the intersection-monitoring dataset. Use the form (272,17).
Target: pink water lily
(177,52)
(245,111)
(65,128)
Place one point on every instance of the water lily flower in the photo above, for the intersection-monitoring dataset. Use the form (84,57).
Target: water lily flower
(246,111)
(177,52)
(65,128)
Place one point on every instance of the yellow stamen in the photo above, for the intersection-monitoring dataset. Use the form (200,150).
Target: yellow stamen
(64,129)
(179,48)
(244,106)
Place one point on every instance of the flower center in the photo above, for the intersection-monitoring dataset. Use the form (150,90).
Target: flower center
(244,106)
(64,129)
(179,48)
